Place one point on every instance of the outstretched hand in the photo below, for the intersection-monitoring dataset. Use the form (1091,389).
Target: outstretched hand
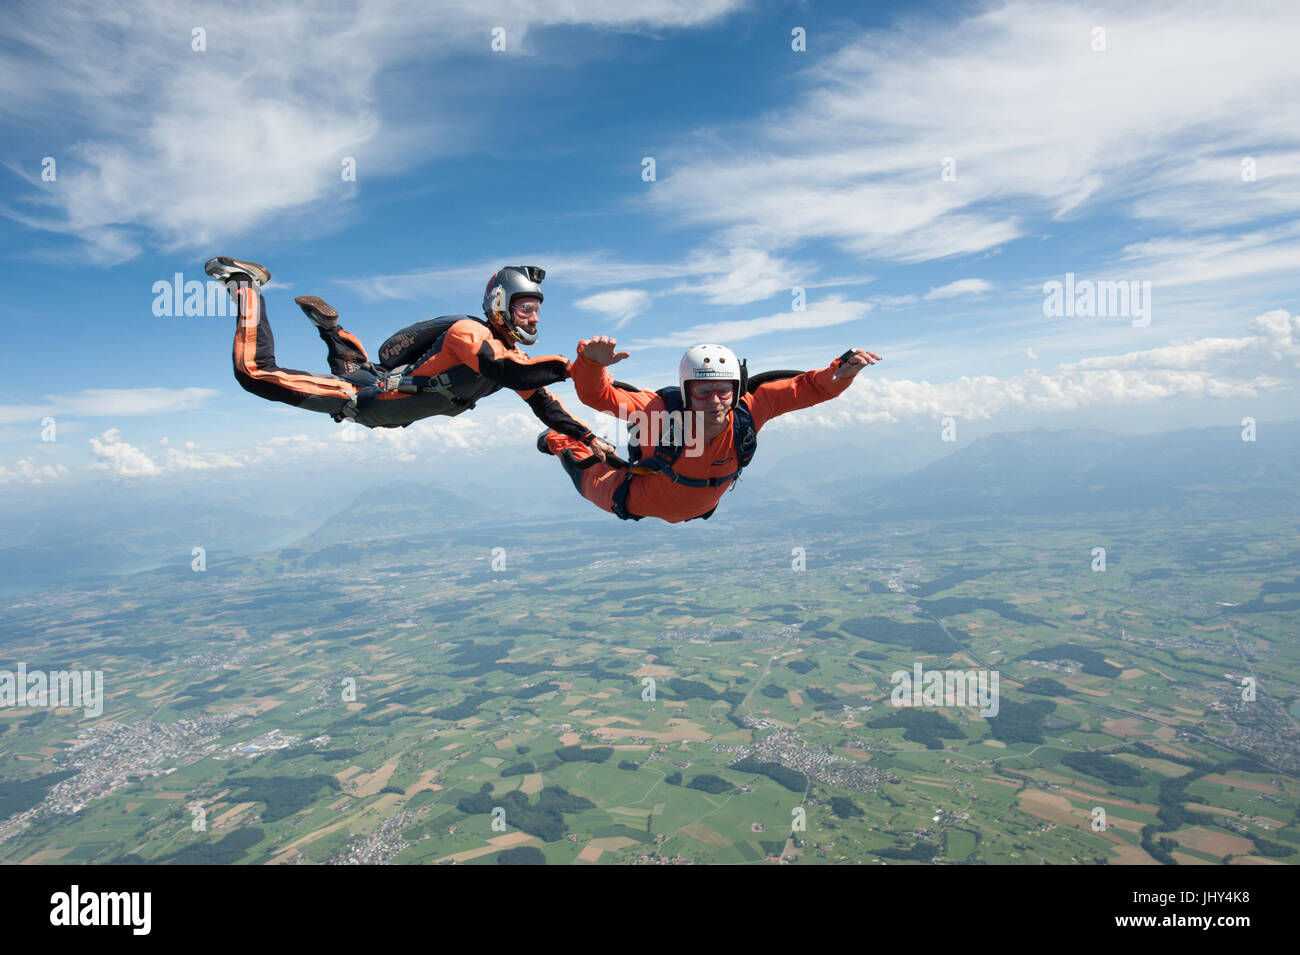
(856,362)
(601,350)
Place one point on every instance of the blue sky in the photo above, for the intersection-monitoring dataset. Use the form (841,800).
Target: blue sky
(1163,150)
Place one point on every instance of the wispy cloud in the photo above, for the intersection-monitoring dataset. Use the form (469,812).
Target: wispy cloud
(109,402)
(179,146)
(1194,260)
(617,305)
(580,271)
(820,314)
(1037,122)
(742,276)
(960,287)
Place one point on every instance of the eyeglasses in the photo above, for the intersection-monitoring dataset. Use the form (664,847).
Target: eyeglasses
(702,390)
(526,308)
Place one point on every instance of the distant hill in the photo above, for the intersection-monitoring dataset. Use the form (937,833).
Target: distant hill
(125,527)
(1203,471)
(405,508)
(91,538)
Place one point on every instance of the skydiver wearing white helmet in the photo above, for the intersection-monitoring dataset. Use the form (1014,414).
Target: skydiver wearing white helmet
(668,475)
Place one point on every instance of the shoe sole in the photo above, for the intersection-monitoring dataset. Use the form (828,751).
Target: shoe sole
(222,268)
(318,310)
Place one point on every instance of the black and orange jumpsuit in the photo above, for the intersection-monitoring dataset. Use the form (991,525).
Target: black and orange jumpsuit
(364,393)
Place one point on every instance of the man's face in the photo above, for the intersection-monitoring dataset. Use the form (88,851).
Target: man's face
(713,398)
(525,311)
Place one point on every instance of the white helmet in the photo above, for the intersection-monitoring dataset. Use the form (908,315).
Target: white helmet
(705,362)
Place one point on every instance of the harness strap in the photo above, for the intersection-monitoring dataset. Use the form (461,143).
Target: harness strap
(619,504)
(439,384)
(653,467)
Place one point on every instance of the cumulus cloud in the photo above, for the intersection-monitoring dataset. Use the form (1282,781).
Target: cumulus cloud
(26,472)
(1263,361)
(1273,346)
(125,460)
(344,446)
(1267,360)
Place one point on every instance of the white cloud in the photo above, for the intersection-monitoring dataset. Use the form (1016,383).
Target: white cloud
(109,402)
(180,148)
(1268,360)
(125,460)
(742,276)
(1178,261)
(617,305)
(26,472)
(1039,126)
(1264,361)
(588,270)
(818,314)
(893,301)
(1274,347)
(113,454)
(960,287)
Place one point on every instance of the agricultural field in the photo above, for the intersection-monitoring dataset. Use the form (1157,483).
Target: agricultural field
(593,705)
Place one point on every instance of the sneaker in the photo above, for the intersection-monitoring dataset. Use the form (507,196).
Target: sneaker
(541,443)
(227,270)
(321,313)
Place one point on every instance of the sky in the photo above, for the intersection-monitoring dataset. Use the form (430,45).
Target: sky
(922,172)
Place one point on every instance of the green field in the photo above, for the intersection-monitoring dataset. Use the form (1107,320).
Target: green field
(544,667)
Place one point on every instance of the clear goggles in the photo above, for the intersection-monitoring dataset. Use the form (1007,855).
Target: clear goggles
(702,389)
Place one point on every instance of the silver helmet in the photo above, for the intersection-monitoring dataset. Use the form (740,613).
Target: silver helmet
(510,283)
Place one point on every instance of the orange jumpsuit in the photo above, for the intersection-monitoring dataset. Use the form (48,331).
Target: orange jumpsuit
(655,495)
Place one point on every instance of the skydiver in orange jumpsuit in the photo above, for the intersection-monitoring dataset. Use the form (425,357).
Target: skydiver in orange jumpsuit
(670,476)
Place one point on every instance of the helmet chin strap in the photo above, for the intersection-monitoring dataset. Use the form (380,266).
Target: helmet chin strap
(508,329)
(527,338)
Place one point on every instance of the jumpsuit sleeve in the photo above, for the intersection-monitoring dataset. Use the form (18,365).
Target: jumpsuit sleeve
(596,389)
(551,413)
(791,394)
(472,343)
